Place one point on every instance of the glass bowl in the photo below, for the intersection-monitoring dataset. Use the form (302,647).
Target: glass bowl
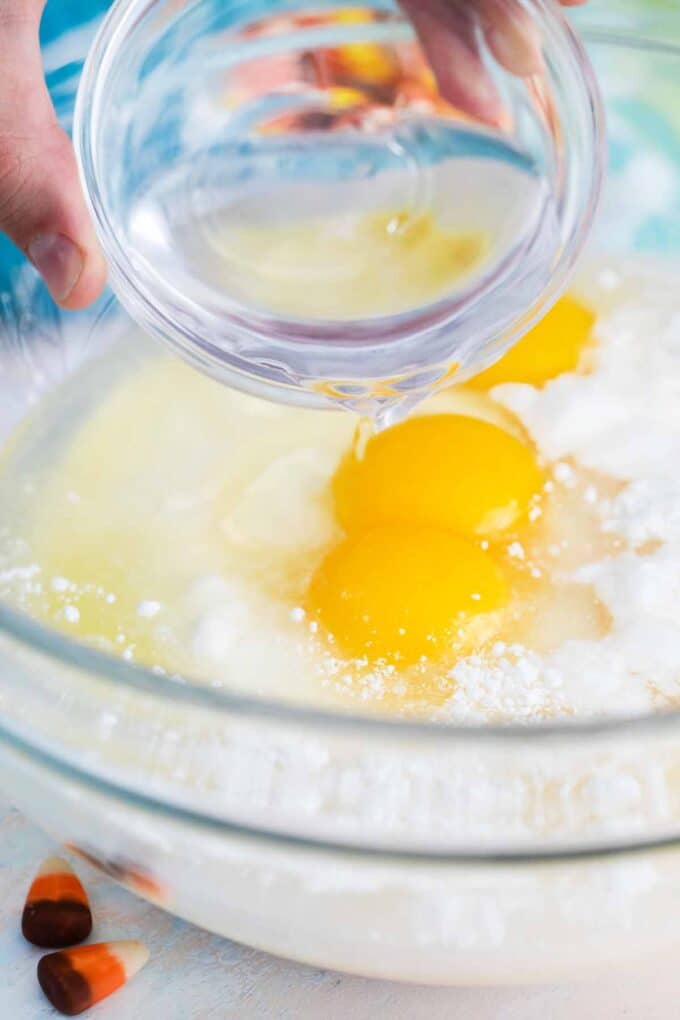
(208,132)
(408,851)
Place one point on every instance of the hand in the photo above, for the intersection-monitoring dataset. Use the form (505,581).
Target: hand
(448,34)
(41,203)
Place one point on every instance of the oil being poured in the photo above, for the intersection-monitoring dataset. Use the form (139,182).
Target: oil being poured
(349,265)
(401,223)
(325,198)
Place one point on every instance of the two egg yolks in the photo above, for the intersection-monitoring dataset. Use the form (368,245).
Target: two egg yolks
(411,575)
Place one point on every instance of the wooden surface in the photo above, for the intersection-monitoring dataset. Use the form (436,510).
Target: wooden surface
(196,976)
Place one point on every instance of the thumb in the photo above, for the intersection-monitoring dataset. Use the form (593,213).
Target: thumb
(42,208)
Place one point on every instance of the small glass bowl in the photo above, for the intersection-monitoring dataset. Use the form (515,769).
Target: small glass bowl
(209,133)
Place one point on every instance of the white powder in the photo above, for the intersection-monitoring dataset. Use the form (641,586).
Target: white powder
(623,421)
(19,573)
(239,638)
(149,608)
(582,678)
(514,685)
(647,510)
(516,551)
(564,474)
(71,614)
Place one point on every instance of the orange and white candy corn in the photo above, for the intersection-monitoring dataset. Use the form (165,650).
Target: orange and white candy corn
(57,911)
(75,979)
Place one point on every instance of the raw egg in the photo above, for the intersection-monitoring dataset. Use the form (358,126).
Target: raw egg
(402,592)
(445,471)
(554,346)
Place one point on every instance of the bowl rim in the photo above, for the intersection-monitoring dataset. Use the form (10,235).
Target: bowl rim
(183,689)
(183,815)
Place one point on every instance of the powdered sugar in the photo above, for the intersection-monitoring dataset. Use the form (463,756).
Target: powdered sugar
(513,684)
(622,420)
(647,510)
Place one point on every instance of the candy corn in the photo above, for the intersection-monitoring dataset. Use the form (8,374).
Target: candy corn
(57,911)
(75,979)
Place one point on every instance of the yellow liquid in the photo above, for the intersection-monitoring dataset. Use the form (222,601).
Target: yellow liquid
(348,266)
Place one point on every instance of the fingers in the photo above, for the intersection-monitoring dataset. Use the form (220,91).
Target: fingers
(447,35)
(41,204)
(449,30)
(512,36)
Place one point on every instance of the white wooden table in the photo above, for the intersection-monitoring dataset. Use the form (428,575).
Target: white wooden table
(196,976)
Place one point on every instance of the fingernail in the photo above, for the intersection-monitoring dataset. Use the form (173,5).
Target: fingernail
(520,54)
(59,261)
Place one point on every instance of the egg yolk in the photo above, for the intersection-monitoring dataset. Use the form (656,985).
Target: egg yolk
(442,471)
(400,592)
(554,346)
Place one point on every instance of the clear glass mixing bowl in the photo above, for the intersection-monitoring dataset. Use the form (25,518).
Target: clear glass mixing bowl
(408,851)
(207,131)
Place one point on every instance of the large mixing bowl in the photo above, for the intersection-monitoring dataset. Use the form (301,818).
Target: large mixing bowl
(405,851)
